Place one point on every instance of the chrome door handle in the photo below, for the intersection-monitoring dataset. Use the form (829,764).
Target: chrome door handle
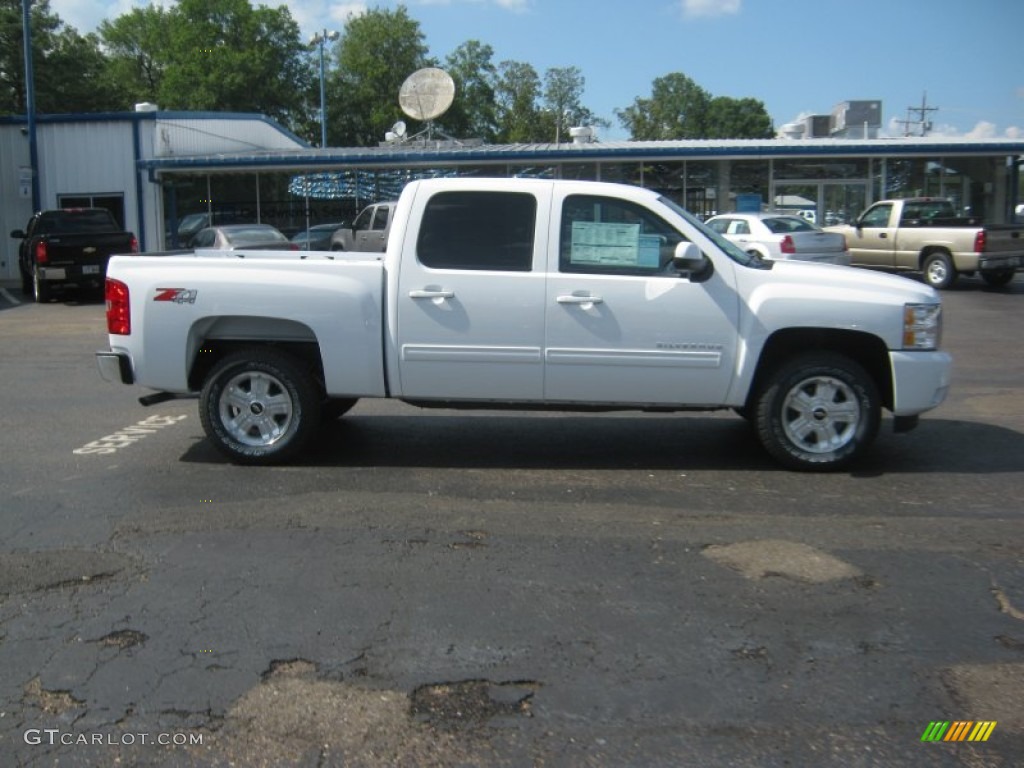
(429,294)
(579,300)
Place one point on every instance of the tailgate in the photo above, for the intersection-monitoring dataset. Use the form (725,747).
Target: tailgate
(86,250)
(1004,240)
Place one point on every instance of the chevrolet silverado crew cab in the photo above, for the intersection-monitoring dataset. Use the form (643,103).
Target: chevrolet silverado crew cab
(559,295)
(925,235)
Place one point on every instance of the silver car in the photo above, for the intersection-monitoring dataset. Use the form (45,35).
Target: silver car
(778,236)
(232,237)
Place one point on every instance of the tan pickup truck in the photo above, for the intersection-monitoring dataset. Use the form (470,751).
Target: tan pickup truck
(925,235)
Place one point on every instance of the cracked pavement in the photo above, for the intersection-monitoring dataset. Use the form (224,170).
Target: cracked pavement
(455,589)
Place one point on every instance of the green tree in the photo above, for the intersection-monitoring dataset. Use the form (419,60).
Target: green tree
(221,55)
(377,52)
(729,118)
(517,92)
(139,51)
(473,113)
(676,109)
(70,70)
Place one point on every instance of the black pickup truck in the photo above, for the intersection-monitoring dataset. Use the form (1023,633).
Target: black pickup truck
(69,246)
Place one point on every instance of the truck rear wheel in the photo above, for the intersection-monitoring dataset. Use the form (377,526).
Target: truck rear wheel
(818,412)
(998,278)
(259,406)
(938,270)
(40,288)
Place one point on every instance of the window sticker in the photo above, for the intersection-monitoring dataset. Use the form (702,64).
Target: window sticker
(612,245)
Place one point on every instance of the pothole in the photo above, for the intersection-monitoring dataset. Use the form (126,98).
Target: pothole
(789,559)
(294,717)
(470,702)
(51,702)
(123,638)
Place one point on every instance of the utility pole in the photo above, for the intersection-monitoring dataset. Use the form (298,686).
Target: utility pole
(922,122)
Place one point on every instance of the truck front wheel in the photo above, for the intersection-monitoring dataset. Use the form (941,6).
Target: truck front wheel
(938,270)
(818,412)
(259,406)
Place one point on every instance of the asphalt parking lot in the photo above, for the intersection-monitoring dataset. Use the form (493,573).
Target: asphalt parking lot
(431,588)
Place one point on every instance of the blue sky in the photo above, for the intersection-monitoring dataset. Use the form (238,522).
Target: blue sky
(798,57)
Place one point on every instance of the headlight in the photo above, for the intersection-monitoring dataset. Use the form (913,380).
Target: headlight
(922,326)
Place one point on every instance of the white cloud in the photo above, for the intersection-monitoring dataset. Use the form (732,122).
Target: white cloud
(342,12)
(699,8)
(983,130)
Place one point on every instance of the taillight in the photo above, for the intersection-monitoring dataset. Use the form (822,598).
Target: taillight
(119,312)
(979,241)
(134,244)
(42,257)
(787,245)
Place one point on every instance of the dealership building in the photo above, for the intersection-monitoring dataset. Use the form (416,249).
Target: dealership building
(152,168)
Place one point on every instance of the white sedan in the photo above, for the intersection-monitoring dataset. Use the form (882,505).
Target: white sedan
(781,236)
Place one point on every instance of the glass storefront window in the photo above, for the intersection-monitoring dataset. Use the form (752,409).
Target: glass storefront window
(824,168)
(622,173)
(668,179)
(580,171)
(749,177)
(701,196)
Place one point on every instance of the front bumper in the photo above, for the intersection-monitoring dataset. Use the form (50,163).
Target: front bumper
(115,367)
(920,381)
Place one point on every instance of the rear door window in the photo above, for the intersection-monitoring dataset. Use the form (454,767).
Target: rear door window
(478,230)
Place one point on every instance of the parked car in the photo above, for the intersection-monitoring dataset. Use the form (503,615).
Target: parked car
(241,236)
(777,236)
(317,237)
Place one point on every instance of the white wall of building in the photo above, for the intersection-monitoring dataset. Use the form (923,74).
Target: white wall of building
(98,155)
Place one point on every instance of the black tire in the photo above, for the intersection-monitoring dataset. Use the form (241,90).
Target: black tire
(818,412)
(40,288)
(26,283)
(938,270)
(259,406)
(998,278)
(332,410)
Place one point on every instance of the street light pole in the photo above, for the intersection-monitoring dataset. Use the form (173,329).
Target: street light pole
(322,40)
(30,103)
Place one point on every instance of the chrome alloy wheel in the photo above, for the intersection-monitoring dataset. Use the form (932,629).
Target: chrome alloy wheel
(256,408)
(821,414)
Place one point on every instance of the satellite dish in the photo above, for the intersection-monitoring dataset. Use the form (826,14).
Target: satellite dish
(399,129)
(426,93)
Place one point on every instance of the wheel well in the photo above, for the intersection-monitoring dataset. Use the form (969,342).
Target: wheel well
(867,350)
(932,250)
(211,351)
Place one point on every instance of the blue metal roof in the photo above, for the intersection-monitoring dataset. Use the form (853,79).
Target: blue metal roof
(434,153)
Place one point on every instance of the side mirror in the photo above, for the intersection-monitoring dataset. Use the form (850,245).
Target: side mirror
(689,258)
(18,233)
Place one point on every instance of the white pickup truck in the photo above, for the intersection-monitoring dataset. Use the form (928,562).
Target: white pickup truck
(560,295)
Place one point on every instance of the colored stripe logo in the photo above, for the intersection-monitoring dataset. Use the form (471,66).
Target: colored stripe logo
(958,730)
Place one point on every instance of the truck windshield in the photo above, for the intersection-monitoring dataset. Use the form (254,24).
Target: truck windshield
(734,252)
